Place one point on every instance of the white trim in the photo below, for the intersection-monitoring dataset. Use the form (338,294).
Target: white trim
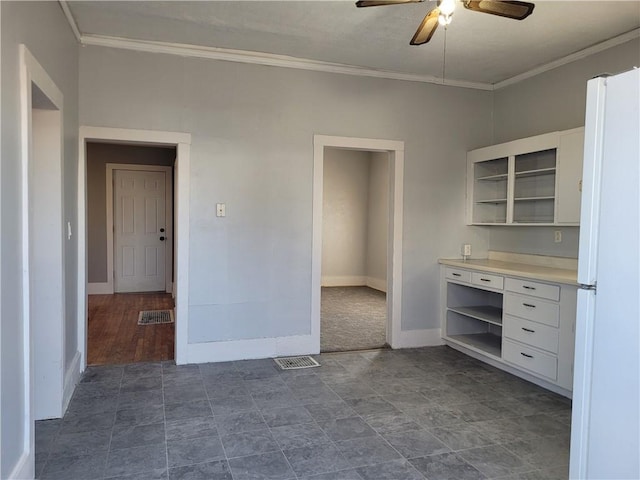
(71,19)
(344,280)
(248,349)
(269,59)
(23,468)
(428,337)
(99,288)
(71,379)
(182,171)
(285,61)
(394,242)
(376,283)
(168,258)
(32,73)
(592,50)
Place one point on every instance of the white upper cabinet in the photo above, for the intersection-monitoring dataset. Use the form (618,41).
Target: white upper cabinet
(532,181)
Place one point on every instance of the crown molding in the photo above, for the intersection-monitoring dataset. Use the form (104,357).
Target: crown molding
(72,21)
(285,61)
(599,47)
(269,59)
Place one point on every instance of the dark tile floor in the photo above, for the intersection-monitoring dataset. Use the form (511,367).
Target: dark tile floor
(408,414)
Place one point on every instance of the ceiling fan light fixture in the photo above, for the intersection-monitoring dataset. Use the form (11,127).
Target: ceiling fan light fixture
(446,8)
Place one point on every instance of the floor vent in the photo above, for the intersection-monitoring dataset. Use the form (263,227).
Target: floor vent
(155,317)
(293,363)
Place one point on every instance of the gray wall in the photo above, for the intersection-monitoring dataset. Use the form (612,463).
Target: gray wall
(252,147)
(42,27)
(355,218)
(554,100)
(345,216)
(98,155)
(378,221)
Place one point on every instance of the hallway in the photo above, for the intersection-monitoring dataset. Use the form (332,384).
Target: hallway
(114,336)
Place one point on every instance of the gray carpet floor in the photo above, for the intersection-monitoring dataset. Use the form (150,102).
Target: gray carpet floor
(352,318)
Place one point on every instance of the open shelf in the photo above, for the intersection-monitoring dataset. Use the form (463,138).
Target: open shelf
(536,172)
(486,313)
(495,200)
(493,178)
(485,342)
(533,199)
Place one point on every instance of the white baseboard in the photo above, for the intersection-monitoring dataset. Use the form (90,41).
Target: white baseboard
(102,288)
(377,284)
(24,467)
(343,281)
(418,338)
(249,349)
(71,379)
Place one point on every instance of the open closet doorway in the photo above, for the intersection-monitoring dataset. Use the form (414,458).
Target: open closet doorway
(357,238)
(130,253)
(355,219)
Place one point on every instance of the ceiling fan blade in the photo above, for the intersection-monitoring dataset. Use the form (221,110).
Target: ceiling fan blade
(378,3)
(427,28)
(515,10)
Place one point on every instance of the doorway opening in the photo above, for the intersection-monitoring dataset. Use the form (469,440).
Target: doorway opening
(389,154)
(354,250)
(168,264)
(129,251)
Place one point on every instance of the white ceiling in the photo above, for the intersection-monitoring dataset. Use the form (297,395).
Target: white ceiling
(480,48)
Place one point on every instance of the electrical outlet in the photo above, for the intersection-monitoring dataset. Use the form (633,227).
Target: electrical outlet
(557,236)
(466,250)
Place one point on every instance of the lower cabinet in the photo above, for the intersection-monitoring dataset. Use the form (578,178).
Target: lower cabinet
(512,322)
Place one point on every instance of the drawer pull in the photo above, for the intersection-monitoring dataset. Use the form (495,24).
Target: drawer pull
(526,355)
(486,279)
(528,330)
(529,305)
(456,274)
(528,287)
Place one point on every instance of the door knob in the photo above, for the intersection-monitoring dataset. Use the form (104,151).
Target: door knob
(161,230)
(162,239)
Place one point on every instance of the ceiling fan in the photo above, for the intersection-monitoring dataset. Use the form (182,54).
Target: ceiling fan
(443,12)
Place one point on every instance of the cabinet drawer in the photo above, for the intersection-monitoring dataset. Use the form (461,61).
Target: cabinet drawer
(530,359)
(532,309)
(458,275)
(486,280)
(531,333)
(535,289)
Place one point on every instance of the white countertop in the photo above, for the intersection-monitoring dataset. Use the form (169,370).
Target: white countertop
(545,273)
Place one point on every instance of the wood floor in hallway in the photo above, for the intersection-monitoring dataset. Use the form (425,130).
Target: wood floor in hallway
(114,335)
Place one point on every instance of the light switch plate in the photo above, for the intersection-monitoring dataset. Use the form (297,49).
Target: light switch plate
(221,210)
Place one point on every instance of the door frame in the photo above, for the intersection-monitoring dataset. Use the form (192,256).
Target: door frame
(181,184)
(33,74)
(168,257)
(395,149)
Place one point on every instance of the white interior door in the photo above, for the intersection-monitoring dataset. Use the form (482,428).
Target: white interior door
(139,230)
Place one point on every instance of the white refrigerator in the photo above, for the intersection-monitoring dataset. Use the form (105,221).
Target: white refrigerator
(605,436)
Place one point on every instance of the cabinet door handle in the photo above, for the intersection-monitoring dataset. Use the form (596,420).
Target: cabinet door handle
(528,330)
(529,305)
(526,355)
(456,274)
(485,279)
(528,287)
